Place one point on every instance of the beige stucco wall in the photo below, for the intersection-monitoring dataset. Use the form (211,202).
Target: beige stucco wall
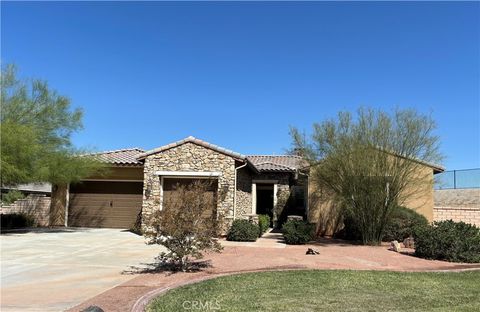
(121,173)
(420,194)
(188,157)
(323,211)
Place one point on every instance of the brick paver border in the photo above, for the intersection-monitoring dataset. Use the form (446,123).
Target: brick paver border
(143,301)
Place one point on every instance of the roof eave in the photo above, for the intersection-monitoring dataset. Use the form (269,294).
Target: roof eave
(276,171)
(124,164)
(251,165)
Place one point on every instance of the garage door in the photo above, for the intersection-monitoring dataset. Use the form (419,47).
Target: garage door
(105,204)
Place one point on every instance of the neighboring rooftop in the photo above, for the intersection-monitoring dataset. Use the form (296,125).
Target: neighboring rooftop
(31,187)
(122,157)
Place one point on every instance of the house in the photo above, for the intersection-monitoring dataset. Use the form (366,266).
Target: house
(138,181)
(29,188)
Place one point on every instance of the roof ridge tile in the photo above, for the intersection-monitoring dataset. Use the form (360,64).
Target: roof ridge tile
(191,139)
(117,151)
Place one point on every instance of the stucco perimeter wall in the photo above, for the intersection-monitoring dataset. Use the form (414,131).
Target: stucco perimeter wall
(188,157)
(457,205)
(36,206)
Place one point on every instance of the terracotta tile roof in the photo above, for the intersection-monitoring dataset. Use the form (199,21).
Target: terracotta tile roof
(261,163)
(193,140)
(280,163)
(120,157)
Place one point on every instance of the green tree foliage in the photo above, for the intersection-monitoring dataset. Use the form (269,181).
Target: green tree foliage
(371,162)
(36,128)
(11,196)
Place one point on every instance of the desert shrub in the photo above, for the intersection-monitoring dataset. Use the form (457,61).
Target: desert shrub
(350,231)
(11,196)
(16,220)
(263,223)
(368,162)
(448,240)
(187,226)
(297,232)
(402,224)
(243,231)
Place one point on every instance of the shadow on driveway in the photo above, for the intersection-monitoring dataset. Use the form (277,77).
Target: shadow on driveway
(44,230)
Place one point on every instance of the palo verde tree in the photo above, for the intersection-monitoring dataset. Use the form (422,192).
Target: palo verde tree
(36,128)
(371,163)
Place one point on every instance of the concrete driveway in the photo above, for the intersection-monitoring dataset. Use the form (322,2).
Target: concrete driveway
(52,270)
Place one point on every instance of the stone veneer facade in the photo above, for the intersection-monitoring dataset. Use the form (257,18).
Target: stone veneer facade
(283,193)
(243,205)
(244,190)
(195,158)
(188,157)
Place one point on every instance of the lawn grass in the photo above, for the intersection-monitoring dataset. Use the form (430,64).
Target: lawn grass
(328,291)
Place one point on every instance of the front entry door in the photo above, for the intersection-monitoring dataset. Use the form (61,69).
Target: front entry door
(265,200)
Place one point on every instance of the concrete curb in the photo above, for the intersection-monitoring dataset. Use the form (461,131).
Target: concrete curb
(143,301)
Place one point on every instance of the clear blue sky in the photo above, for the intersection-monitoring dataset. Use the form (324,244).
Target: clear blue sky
(238,74)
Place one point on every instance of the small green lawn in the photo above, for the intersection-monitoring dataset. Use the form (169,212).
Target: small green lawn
(328,291)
